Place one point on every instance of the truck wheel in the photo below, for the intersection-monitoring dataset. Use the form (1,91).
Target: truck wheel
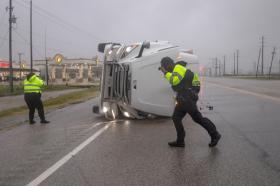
(113,112)
(95,109)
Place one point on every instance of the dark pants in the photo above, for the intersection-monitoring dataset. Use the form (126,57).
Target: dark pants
(33,101)
(189,106)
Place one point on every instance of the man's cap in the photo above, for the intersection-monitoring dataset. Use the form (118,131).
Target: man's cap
(30,75)
(166,61)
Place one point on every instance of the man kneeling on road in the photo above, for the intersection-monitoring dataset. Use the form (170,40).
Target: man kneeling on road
(32,96)
(186,84)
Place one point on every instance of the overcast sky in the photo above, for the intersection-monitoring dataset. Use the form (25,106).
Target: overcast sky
(213,28)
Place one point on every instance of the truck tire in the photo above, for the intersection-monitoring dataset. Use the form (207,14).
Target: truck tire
(113,112)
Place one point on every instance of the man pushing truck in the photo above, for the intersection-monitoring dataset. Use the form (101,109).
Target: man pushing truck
(186,84)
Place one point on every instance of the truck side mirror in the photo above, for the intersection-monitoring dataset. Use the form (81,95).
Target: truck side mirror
(101,47)
(145,44)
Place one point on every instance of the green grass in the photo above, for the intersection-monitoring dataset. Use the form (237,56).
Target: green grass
(13,111)
(18,89)
(5,90)
(57,102)
(73,97)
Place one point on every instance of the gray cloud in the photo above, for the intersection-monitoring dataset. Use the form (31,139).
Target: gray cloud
(212,28)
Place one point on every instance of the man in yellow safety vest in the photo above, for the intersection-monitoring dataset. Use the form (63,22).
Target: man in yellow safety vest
(186,84)
(32,96)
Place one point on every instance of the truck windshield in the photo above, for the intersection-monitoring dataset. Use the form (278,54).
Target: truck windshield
(127,50)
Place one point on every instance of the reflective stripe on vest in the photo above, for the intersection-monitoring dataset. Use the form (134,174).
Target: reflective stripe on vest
(31,88)
(29,85)
(195,81)
(173,75)
(179,72)
(176,76)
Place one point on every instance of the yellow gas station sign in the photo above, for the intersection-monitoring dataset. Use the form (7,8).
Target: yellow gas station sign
(58,58)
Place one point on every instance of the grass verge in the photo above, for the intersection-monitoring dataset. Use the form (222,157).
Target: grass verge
(274,77)
(57,102)
(18,89)
(260,78)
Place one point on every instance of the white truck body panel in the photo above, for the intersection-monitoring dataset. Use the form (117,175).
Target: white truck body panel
(153,93)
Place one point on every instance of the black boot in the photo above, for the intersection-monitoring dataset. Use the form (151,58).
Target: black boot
(32,122)
(215,139)
(45,122)
(176,144)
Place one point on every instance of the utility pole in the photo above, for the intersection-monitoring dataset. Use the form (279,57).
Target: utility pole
(262,55)
(216,66)
(31,47)
(47,68)
(12,20)
(237,56)
(273,54)
(279,67)
(234,63)
(258,62)
(20,64)
(224,65)
(219,68)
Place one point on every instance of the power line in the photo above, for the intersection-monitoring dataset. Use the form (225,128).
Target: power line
(67,23)
(49,37)
(3,17)
(57,20)
(4,38)
(54,19)
(36,45)
(51,49)
(28,43)
(51,19)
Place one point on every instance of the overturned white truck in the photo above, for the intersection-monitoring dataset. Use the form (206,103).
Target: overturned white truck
(132,85)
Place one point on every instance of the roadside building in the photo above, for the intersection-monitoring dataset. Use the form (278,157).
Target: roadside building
(19,70)
(80,71)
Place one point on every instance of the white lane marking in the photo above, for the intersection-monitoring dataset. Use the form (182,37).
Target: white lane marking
(97,124)
(248,92)
(67,157)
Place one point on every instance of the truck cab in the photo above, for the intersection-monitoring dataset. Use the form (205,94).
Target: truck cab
(132,85)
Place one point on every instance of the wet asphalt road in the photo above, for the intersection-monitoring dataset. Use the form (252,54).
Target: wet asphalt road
(135,152)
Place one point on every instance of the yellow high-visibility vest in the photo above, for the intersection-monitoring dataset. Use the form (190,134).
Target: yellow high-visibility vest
(33,85)
(178,74)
